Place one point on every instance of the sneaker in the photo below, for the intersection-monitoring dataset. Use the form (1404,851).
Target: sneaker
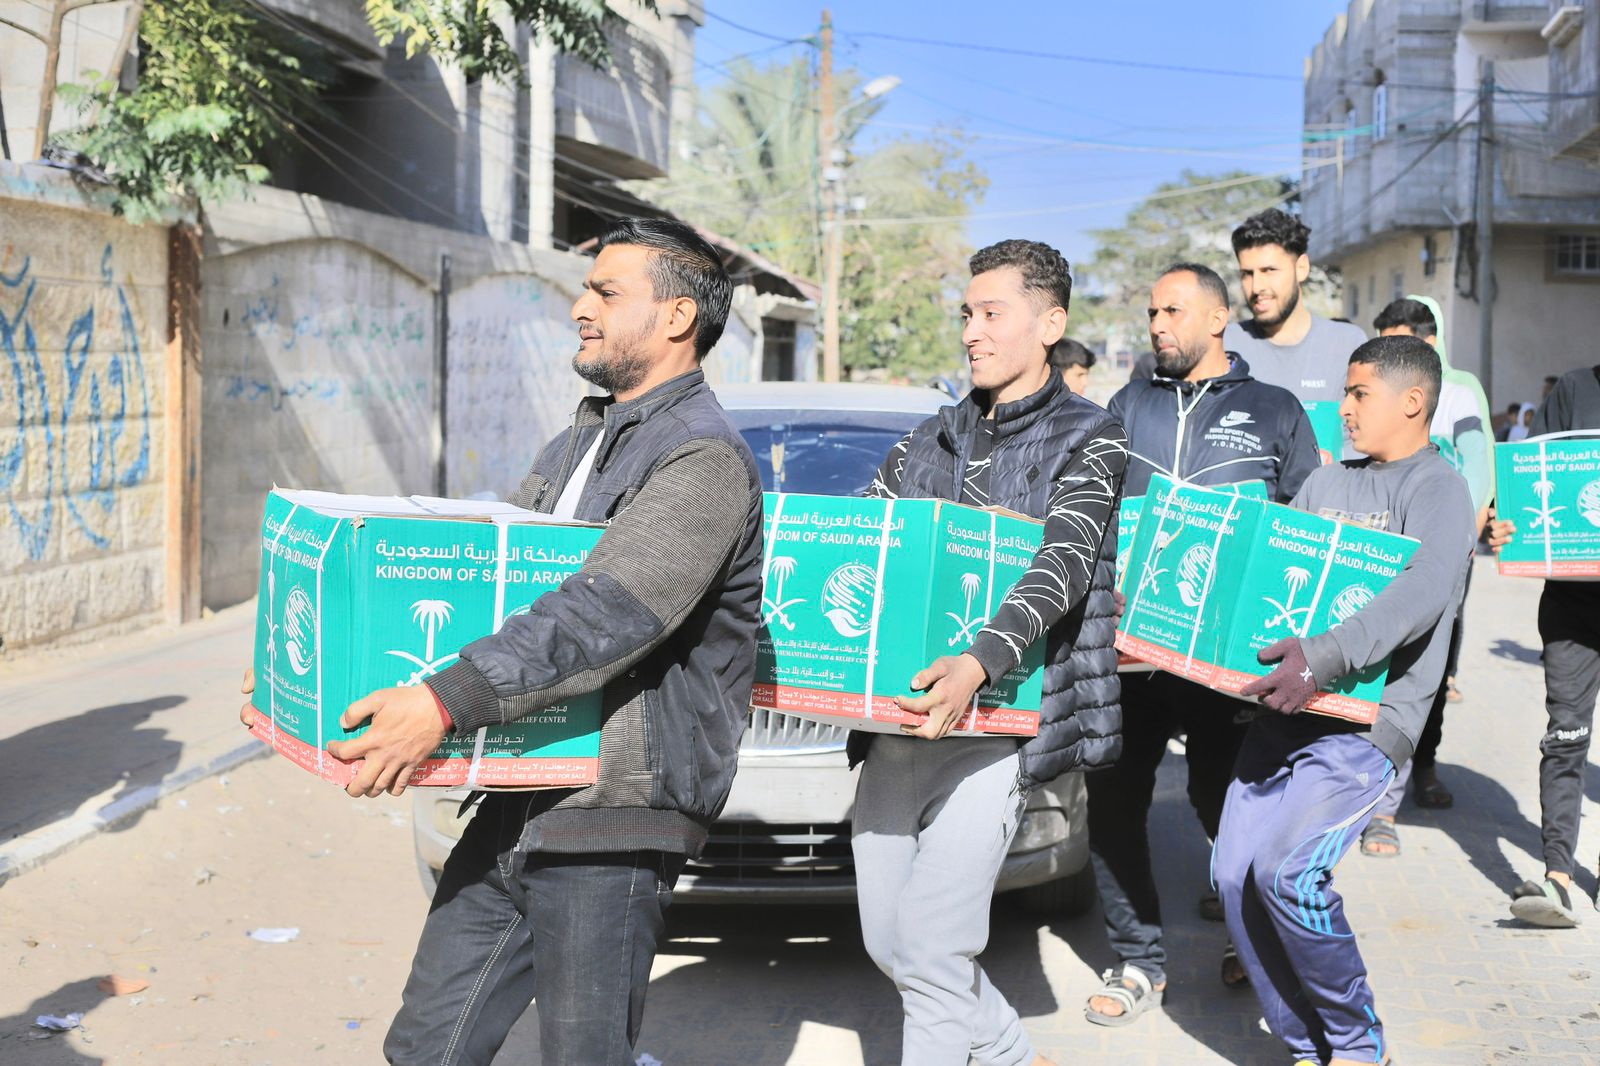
(1548,905)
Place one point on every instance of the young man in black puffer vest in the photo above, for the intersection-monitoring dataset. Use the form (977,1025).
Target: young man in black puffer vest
(933,822)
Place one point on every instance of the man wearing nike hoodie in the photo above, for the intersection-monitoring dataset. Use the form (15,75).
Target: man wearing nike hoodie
(1203,419)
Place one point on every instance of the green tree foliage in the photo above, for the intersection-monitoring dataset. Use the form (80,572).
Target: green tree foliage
(216,85)
(752,175)
(1187,220)
(472,33)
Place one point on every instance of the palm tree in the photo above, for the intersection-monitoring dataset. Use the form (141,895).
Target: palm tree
(783,568)
(752,174)
(970,584)
(431,615)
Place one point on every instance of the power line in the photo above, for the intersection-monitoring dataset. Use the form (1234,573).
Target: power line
(760,33)
(1135,64)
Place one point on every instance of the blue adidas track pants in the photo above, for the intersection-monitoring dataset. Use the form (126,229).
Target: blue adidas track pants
(1301,795)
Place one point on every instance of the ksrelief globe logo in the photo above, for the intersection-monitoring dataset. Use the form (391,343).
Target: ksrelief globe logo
(300,630)
(1589,503)
(847,598)
(1348,602)
(1194,571)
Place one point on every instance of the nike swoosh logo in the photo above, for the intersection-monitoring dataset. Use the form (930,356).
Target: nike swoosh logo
(1235,418)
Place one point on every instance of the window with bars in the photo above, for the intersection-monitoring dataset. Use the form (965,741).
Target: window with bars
(1576,254)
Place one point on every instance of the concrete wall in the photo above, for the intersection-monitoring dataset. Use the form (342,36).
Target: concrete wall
(82,432)
(511,384)
(1539,323)
(319,373)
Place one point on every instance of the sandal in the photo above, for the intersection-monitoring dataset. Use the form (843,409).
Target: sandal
(1451,693)
(1129,988)
(1429,792)
(1380,840)
(1234,975)
(1211,906)
(1548,905)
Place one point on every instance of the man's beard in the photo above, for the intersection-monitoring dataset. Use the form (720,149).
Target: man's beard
(1179,363)
(1289,304)
(622,371)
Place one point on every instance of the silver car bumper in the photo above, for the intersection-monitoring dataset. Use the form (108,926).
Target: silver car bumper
(784,836)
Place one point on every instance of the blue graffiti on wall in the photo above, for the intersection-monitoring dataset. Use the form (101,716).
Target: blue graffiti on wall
(88,430)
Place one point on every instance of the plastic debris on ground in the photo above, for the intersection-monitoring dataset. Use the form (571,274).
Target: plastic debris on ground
(59,1024)
(647,1059)
(275,936)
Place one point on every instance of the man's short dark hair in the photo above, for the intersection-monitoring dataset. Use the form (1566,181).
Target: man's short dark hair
(1404,362)
(1069,352)
(1413,314)
(1273,227)
(1208,279)
(682,263)
(1046,276)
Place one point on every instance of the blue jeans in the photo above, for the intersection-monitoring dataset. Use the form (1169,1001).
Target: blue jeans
(574,932)
(1300,797)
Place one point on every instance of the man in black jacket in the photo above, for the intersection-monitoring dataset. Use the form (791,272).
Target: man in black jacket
(558,896)
(926,846)
(1202,419)
(1569,625)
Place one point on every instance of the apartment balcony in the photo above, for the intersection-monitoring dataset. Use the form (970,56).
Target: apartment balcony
(617,120)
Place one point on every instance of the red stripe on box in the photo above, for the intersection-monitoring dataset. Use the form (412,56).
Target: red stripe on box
(497,772)
(1221,679)
(1556,568)
(843,708)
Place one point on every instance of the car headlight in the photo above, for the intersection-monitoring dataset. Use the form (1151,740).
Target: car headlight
(1040,829)
(445,820)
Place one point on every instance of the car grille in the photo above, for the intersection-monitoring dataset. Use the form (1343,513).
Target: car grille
(775,731)
(774,854)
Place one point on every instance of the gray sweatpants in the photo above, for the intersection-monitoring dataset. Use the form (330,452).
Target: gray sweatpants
(933,822)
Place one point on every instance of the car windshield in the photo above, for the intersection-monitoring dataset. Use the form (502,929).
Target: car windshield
(831,453)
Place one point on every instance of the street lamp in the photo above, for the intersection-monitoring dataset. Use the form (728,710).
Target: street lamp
(831,159)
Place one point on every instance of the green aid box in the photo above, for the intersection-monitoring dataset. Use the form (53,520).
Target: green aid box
(1128,513)
(1213,578)
(1327,426)
(1307,574)
(360,593)
(860,594)
(1550,487)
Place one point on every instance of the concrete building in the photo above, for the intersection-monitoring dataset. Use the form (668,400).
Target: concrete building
(1392,118)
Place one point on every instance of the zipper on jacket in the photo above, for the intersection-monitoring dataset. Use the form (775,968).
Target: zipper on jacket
(1183,423)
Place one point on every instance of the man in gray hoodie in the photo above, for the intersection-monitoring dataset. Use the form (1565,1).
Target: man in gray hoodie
(1305,786)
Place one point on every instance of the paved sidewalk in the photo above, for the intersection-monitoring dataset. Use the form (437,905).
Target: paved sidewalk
(93,736)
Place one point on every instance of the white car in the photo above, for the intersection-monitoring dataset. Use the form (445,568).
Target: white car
(784,836)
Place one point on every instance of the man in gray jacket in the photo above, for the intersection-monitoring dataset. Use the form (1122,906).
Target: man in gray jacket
(558,896)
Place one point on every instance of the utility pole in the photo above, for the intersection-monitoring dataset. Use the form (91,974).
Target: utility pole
(833,251)
(1485,229)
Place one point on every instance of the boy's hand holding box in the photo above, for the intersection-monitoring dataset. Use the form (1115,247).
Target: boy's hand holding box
(363,593)
(859,595)
(1213,578)
(1550,487)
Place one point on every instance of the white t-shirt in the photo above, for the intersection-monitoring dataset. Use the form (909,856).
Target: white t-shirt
(567,506)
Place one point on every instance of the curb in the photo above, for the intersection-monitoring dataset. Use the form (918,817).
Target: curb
(37,848)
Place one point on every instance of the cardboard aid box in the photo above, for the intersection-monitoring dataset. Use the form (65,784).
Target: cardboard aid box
(360,593)
(1213,578)
(860,594)
(1550,487)
(1128,512)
